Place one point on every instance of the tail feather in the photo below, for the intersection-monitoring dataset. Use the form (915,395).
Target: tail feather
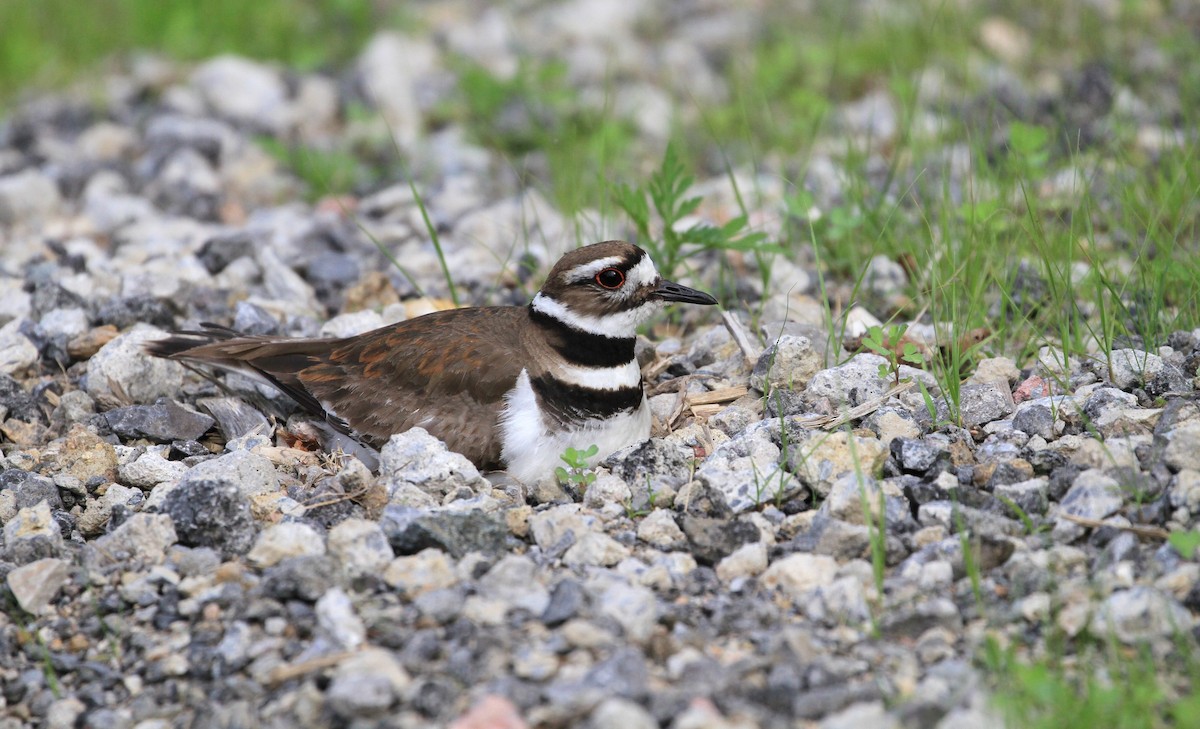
(278,360)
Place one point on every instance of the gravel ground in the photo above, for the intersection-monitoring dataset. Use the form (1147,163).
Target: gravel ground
(176,554)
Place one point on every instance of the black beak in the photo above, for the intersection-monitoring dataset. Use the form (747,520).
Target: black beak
(671,291)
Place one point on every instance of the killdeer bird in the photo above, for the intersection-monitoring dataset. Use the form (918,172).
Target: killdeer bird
(509,387)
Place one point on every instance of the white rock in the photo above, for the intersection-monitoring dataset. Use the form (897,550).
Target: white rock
(429,569)
(149,470)
(122,373)
(415,457)
(390,69)
(798,573)
(595,549)
(745,561)
(28,197)
(659,529)
(338,620)
(35,584)
(243,91)
(281,541)
(360,547)
(17,353)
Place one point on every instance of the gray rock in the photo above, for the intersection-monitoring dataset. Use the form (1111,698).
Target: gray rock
(1032,496)
(852,498)
(210,137)
(910,621)
(142,538)
(64,322)
(410,530)
(37,583)
(615,713)
(187,184)
(249,473)
(634,607)
(211,513)
(32,534)
(121,373)
(797,574)
(595,549)
(654,464)
(858,381)
(366,684)
(1093,495)
(162,422)
(417,458)
(979,404)
(1139,614)
(747,473)
(98,512)
(789,363)
(1128,368)
(957,517)
(872,714)
(28,197)
(1183,447)
(514,581)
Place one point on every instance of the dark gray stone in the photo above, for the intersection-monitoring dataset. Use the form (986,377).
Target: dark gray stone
(211,513)
(125,311)
(163,422)
(234,417)
(566,600)
(34,489)
(919,456)
(304,578)
(1035,420)
(711,540)
(456,533)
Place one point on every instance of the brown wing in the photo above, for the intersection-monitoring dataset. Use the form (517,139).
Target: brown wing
(391,379)
(403,376)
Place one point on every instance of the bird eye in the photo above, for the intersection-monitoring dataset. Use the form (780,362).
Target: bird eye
(610,278)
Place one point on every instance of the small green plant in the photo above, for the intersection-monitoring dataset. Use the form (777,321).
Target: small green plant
(667,192)
(577,473)
(1185,542)
(891,346)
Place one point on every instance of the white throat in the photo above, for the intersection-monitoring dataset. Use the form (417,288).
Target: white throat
(618,325)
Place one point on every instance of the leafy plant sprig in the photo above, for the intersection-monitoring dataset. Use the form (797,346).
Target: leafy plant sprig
(891,346)
(577,473)
(667,191)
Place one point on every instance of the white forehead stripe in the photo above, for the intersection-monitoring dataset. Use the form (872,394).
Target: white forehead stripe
(643,273)
(617,325)
(588,270)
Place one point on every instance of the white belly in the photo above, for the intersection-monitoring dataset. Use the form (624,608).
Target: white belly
(531,451)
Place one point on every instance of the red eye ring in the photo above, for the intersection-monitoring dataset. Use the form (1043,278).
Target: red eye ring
(611,279)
